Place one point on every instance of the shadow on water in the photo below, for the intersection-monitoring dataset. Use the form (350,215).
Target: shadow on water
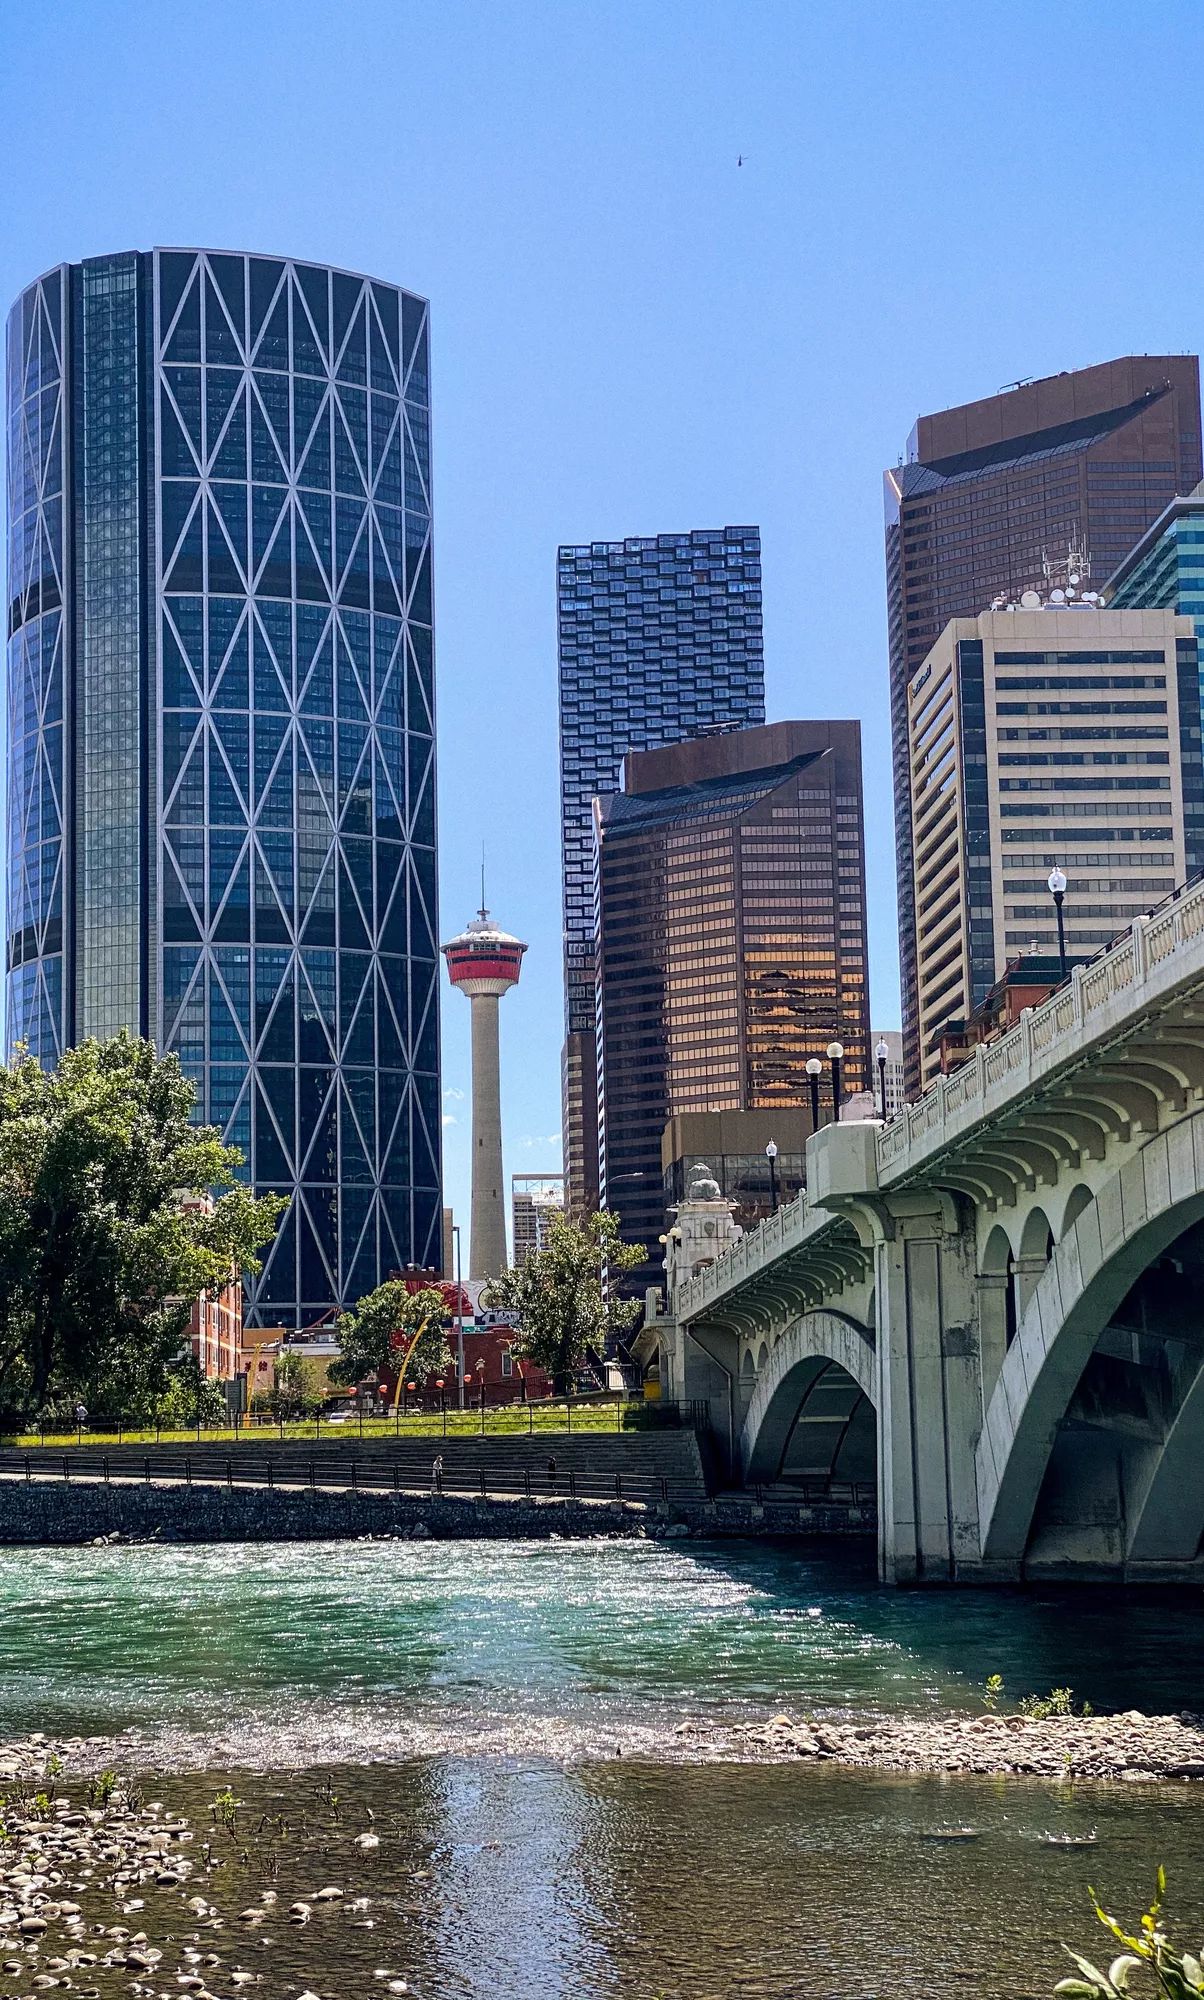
(1115,1648)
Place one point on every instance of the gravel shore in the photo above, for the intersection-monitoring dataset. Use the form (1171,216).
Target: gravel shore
(1129,1747)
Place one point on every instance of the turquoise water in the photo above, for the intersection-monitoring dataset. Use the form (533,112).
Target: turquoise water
(502,1716)
(569,1646)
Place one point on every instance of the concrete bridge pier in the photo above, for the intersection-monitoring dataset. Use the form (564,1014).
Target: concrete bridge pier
(929,1391)
(928,1403)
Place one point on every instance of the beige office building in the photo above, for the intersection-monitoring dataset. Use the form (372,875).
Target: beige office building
(1053,734)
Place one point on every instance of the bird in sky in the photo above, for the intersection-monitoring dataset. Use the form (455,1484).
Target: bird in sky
(740,161)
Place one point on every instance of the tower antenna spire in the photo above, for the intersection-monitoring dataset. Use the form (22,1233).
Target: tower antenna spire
(483,912)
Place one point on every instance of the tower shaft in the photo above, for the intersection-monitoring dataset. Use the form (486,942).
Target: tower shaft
(487,1240)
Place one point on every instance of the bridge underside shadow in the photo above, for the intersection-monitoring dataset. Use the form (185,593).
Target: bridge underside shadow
(1123,1489)
(811,1424)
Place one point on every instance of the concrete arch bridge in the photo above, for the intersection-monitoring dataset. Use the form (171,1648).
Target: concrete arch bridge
(992,1308)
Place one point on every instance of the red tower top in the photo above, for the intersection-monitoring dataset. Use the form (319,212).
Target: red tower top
(484,958)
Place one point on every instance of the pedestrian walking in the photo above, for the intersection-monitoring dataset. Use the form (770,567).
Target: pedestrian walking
(552,1473)
(437,1474)
(81,1416)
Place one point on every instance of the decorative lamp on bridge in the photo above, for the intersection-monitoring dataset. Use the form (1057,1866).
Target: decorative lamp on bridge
(836,1057)
(1057,889)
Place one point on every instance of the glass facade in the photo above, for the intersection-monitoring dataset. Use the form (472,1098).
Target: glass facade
(37,636)
(660,638)
(731,942)
(1165,572)
(252,874)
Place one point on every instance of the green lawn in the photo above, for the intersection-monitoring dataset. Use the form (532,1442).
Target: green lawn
(514,1420)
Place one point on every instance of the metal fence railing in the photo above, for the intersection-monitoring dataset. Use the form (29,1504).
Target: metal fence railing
(337,1471)
(567,1415)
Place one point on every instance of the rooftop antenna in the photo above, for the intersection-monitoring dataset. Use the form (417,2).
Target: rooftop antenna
(483,912)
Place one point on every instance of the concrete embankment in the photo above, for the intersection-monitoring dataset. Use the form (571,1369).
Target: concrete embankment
(54,1511)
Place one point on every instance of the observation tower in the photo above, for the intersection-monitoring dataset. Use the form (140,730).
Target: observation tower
(484,962)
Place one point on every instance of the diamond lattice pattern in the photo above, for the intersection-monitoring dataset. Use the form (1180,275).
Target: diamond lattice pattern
(295,783)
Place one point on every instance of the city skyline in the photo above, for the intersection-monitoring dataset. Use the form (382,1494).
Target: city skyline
(792,321)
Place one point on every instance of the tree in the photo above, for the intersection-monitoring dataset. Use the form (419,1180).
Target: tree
(295,1390)
(566,1295)
(390,1328)
(115,1211)
(189,1398)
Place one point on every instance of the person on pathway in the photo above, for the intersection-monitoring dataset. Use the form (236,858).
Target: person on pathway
(437,1475)
(552,1473)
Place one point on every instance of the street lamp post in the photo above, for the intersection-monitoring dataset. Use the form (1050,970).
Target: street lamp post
(880,1054)
(771,1154)
(836,1057)
(814,1071)
(459,1320)
(1057,889)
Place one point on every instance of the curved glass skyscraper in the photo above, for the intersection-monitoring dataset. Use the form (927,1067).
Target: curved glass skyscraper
(221,820)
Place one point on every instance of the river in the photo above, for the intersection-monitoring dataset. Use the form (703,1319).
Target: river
(507,1713)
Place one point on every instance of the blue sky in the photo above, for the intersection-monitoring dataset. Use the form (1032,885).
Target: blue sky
(631,333)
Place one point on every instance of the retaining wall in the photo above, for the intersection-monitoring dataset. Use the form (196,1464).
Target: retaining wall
(45,1512)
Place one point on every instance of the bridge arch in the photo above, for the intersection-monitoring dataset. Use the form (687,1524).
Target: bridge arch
(821,1373)
(1079,1197)
(1084,1460)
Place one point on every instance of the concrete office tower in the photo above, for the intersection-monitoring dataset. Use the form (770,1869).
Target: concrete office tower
(484,962)
(221,822)
(659,639)
(987,490)
(731,944)
(1046,737)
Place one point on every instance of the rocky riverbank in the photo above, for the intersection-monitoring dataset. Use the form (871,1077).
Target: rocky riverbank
(105,1894)
(1131,1747)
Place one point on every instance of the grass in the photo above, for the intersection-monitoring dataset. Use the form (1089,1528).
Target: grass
(509,1420)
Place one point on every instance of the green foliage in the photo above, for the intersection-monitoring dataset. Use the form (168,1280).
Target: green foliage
(1038,1707)
(102,1788)
(1175,1975)
(105,1236)
(296,1388)
(566,1294)
(385,1325)
(1059,1701)
(224,1810)
(190,1398)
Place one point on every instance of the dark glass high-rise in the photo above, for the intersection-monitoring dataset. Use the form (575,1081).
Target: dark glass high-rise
(221,826)
(660,638)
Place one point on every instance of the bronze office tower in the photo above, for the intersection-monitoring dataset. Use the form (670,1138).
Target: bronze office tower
(731,940)
(1088,459)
